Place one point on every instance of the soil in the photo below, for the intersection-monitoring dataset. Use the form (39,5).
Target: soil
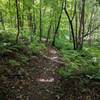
(38,79)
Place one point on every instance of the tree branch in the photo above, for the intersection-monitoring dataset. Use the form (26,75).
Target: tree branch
(92,30)
(74,10)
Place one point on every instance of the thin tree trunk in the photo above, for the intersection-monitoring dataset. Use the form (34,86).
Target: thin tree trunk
(72,30)
(90,39)
(2,20)
(18,21)
(82,26)
(40,20)
(10,13)
(76,35)
(71,23)
(34,19)
(58,24)
(30,23)
(49,29)
(22,17)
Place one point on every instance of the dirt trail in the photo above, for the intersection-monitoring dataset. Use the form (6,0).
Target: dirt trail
(48,72)
(46,79)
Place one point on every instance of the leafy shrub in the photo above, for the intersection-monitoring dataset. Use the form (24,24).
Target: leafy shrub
(96,43)
(68,71)
(80,62)
(7,47)
(13,62)
(73,69)
(62,43)
(7,37)
(37,47)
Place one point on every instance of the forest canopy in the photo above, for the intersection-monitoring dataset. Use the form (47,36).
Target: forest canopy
(51,19)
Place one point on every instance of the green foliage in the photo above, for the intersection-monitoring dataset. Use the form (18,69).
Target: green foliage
(13,62)
(81,63)
(69,70)
(7,37)
(61,42)
(98,1)
(37,47)
(23,59)
(8,47)
(97,43)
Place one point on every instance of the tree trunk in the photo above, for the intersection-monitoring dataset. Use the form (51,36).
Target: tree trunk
(2,20)
(34,19)
(82,26)
(72,30)
(40,20)
(58,24)
(49,29)
(10,16)
(18,21)
(30,23)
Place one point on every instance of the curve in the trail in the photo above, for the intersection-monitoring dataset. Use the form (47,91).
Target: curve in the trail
(53,56)
(46,80)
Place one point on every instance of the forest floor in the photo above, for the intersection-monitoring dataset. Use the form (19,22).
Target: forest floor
(37,79)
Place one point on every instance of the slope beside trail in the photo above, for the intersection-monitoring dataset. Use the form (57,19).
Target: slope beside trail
(37,80)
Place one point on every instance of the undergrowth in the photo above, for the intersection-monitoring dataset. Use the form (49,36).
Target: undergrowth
(83,62)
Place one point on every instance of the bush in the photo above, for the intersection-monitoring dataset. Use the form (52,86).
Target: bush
(97,43)
(79,62)
(37,47)
(62,43)
(68,71)
(13,62)
(7,37)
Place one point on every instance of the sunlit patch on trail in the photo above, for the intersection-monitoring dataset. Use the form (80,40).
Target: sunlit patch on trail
(53,51)
(46,80)
(53,58)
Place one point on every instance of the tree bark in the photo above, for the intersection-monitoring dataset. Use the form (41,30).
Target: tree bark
(49,29)
(10,14)
(40,20)
(71,26)
(34,19)
(58,24)
(2,20)
(30,20)
(18,21)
